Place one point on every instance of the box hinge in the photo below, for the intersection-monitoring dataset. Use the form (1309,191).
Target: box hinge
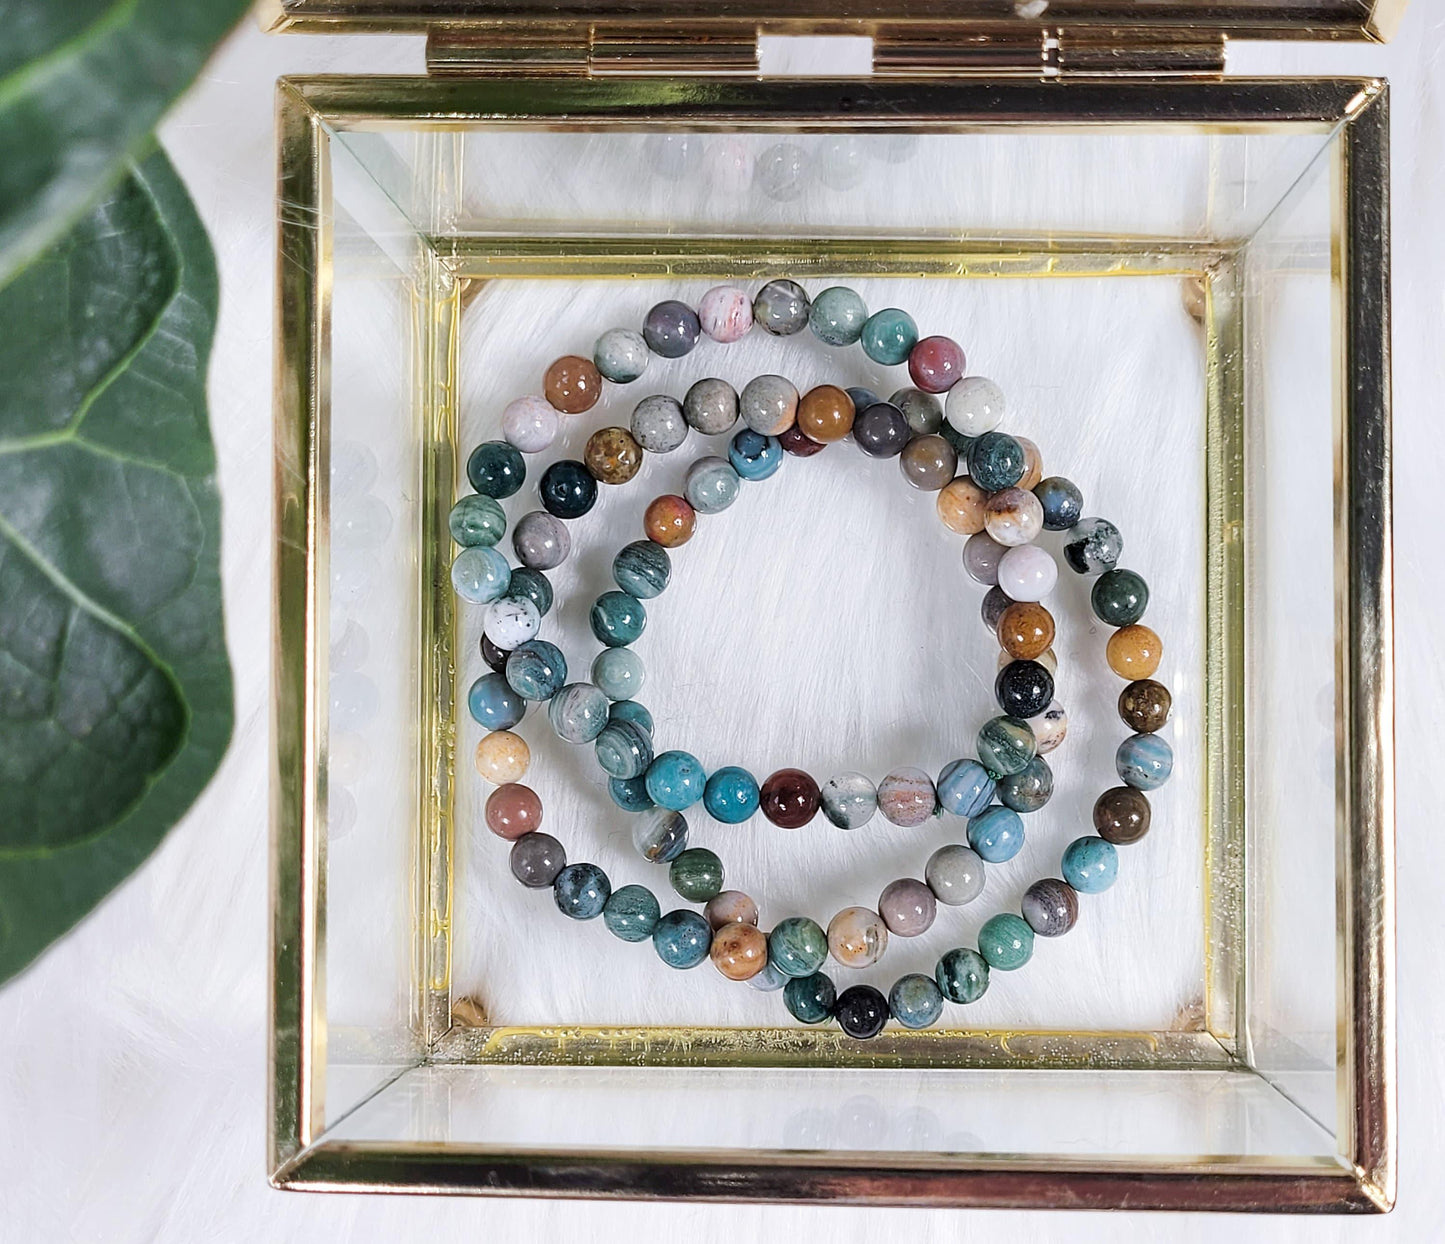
(1046,52)
(593,50)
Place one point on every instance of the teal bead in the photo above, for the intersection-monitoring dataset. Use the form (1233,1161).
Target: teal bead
(477,520)
(697,875)
(1029,789)
(578,712)
(915,1001)
(480,575)
(889,337)
(581,891)
(810,999)
(755,456)
(1006,745)
(630,794)
(676,780)
(1090,864)
(1144,761)
(711,485)
(731,795)
(962,975)
(682,939)
(660,835)
(496,469)
(642,568)
(1119,597)
(529,584)
(1006,941)
(996,461)
(619,673)
(797,947)
(624,749)
(631,710)
(537,670)
(631,913)
(837,316)
(996,834)
(493,704)
(617,618)
(965,788)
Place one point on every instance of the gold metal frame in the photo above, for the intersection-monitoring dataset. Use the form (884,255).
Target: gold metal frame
(302,1155)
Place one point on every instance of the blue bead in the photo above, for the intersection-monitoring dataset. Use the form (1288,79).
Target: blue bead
(619,672)
(480,574)
(630,794)
(915,1001)
(1006,942)
(1090,864)
(810,998)
(682,939)
(537,670)
(755,456)
(965,788)
(631,710)
(889,336)
(1144,761)
(711,485)
(631,913)
(624,749)
(529,584)
(642,568)
(962,975)
(676,780)
(496,469)
(731,795)
(578,712)
(1062,502)
(567,489)
(493,704)
(996,834)
(617,618)
(768,980)
(837,316)
(995,461)
(581,891)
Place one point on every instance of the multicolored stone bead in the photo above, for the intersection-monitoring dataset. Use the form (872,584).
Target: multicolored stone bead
(888,336)
(541,540)
(996,461)
(992,607)
(825,414)
(797,947)
(730,907)
(530,423)
(769,980)
(962,975)
(513,810)
(581,891)
(768,404)
(1023,689)
(810,999)
(731,795)
(974,405)
(755,456)
(536,670)
(502,757)
(923,411)
(1006,942)
(961,506)
(697,875)
(1050,727)
(617,619)
(1025,630)
(789,798)
(477,520)
(1051,907)
(955,874)
(796,442)
(1144,705)
(669,521)
(1134,652)
(1029,789)
(996,834)
(981,557)
(1090,865)
(965,788)
(536,859)
(624,749)
(671,329)
(612,456)
(632,913)
(1144,761)
(907,907)
(480,574)
(848,800)
(837,316)
(725,313)
(630,794)
(907,797)
(659,835)
(857,937)
(495,657)
(658,423)
(509,623)
(1061,501)
(630,710)
(496,469)
(1093,546)
(676,779)
(642,569)
(1005,745)
(881,430)
(711,485)
(621,355)
(493,704)
(1013,517)
(781,308)
(936,364)
(711,406)
(572,384)
(861,1012)
(578,712)
(928,462)
(1121,815)
(915,1001)
(1119,597)
(682,939)
(527,583)
(739,951)
(1033,465)
(1027,573)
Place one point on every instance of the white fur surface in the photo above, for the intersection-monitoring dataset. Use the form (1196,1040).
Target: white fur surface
(132,1091)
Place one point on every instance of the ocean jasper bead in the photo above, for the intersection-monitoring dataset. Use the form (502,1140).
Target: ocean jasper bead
(502,757)
(1093,546)
(1013,517)
(996,834)
(681,939)
(755,456)
(796,442)
(1051,907)
(567,489)
(725,313)
(769,980)
(617,619)
(1027,573)
(961,506)
(1119,597)
(1029,789)
(659,835)
(996,461)
(1006,942)
(496,469)
(676,780)
(632,913)
(826,414)
(510,623)
(495,657)
(621,355)
(797,947)
(922,410)
(962,975)
(739,951)
(578,712)
(619,673)
(513,810)
(1050,728)
(837,316)
(1121,815)
(857,937)
(1134,652)
(711,485)
(928,462)
(671,329)
(612,456)
(480,574)
(643,569)
(974,405)
(541,540)
(493,704)
(731,795)
(1144,705)
(529,584)
(907,907)
(861,1012)
(1025,630)
(572,384)
(1006,745)
(477,520)
(936,364)
(711,406)
(781,308)
(1090,865)
(965,788)
(669,521)
(768,404)
(730,907)
(624,749)
(881,430)
(1144,761)
(530,424)
(981,557)
(658,424)
(1061,501)
(992,607)
(536,670)
(915,1001)
(630,710)
(1023,689)
(536,859)
(630,794)
(810,999)
(581,891)
(1033,468)
(955,874)
(860,396)
(849,800)
(906,797)
(888,336)
(789,798)
(697,875)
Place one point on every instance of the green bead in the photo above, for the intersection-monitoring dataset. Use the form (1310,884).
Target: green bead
(617,618)
(631,913)
(1006,941)
(962,975)
(889,337)
(477,520)
(642,568)
(797,947)
(810,998)
(1006,745)
(697,875)
(1119,597)
(837,316)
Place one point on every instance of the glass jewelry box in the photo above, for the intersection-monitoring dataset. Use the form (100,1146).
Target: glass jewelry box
(1185,274)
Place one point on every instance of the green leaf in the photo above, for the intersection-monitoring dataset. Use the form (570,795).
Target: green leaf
(82,84)
(115,691)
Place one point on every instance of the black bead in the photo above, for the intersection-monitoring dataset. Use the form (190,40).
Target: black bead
(881,430)
(1024,689)
(567,489)
(861,1012)
(494,656)
(995,601)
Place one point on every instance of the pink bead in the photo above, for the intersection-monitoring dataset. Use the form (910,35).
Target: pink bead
(513,810)
(726,313)
(936,364)
(530,424)
(907,907)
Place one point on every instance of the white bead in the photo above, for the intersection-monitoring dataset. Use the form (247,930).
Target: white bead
(974,406)
(1050,727)
(1027,573)
(1013,517)
(1048,659)
(511,622)
(530,424)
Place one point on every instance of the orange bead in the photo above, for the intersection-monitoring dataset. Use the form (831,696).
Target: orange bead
(669,521)
(825,414)
(1033,464)
(612,456)
(961,506)
(1134,651)
(572,384)
(1025,630)
(739,951)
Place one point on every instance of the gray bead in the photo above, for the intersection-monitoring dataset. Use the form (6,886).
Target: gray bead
(849,800)
(769,405)
(660,835)
(671,329)
(537,858)
(955,874)
(781,307)
(711,485)
(541,540)
(1051,907)
(781,172)
(578,712)
(1092,546)
(621,355)
(922,410)
(711,406)
(658,424)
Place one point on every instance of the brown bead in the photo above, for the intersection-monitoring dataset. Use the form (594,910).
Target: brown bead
(1026,629)
(1144,705)
(799,445)
(572,384)
(513,810)
(825,414)
(789,798)
(669,521)
(612,456)
(1121,815)
(1033,463)
(961,506)
(739,951)
(1134,651)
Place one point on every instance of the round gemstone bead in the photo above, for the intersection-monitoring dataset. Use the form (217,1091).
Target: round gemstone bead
(510,623)
(1006,942)
(530,424)
(496,469)
(578,712)
(1133,652)
(981,557)
(915,1001)
(642,569)
(1051,907)
(494,657)
(825,414)
(536,859)
(797,947)
(1029,789)
(922,410)
(536,670)
(1144,705)
(965,788)
(1013,517)
(961,506)
(768,404)
(1121,815)
(907,907)
(1033,467)
(502,757)
(962,975)
(541,540)
(618,673)
(906,797)
(1061,502)
(1025,630)
(567,489)
(480,574)
(711,485)
(1090,865)
(857,937)
(529,584)
(837,316)
(955,874)
(781,308)
(755,456)
(991,609)
(681,939)
(477,520)
(974,405)
(671,329)
(493,704)
(739,951)
(936,364)
(621,355)
(581,891)
(659,835)
(658,423)
(1005,745)
(572,384)
(725,313)
(1093,546)
(513,810)
(697,875)
(731,795)
(1027,573)
(789,798)
(730,907)
(676,780)
(848,800)
(617,619)
(1119,597)
(1144,761)
(769,980)
(630,710)
(780,173)
(1050,728)
(711,406)
(996,834)
(796,442)
(860,396)
(1023,689)
(996,461)
(810,999)
(888,336)
(630,794)
(928,462)
(881,430)
(861,1011)
(669,521)
(624,749)
(632,913)
(612,456)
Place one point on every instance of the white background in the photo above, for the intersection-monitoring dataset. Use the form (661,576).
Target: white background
(132,1080)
